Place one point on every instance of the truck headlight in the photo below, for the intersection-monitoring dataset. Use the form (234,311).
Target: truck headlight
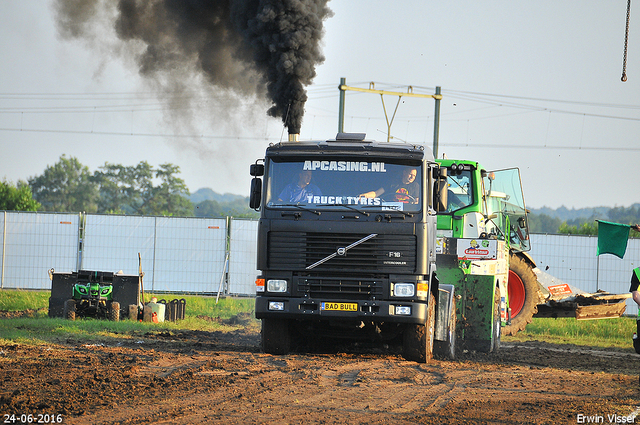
(403,310)
(404,290)
(276,305)
(276,285)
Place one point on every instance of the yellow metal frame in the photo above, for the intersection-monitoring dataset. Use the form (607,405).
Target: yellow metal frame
(372,89)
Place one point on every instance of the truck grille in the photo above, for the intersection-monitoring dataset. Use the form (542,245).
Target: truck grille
(352,288)
(384,253)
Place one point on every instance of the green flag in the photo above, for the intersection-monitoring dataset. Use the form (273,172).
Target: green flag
(612,238)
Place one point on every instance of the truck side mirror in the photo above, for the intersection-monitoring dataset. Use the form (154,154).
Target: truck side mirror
(256,170)
(256,193)
(441,190)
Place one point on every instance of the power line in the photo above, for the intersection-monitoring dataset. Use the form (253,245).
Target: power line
(460,94)
(507,101)
(479,96)
(121,133)
(276,139)
(561,111)
(83,109)
(494,101)
(541,147)
(536,99)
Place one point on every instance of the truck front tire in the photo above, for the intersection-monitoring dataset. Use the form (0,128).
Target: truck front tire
(276,336)
(418,339)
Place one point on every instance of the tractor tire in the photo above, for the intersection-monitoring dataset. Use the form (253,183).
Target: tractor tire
(70,309)
(446,350)
(114,311)
(133,312)
(276,336)
(497,322)
(524,294)
(55,307)
(417,344)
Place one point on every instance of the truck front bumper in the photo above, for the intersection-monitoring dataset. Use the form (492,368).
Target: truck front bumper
(308,309)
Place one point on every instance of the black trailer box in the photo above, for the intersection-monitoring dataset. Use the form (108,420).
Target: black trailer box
(126,289)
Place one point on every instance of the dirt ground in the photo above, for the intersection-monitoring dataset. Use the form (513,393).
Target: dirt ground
(190,377)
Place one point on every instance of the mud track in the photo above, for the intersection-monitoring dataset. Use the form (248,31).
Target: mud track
(190,377)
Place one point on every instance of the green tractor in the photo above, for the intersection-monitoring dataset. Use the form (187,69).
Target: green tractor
(483,223)
(93,297)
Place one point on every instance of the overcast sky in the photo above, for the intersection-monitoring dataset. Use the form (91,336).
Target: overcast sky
(528,84)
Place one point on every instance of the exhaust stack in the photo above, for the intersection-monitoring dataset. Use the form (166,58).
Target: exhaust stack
(294,137)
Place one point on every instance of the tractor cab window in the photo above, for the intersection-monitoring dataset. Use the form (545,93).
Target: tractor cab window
(505,202)
(459,193)
(339,183)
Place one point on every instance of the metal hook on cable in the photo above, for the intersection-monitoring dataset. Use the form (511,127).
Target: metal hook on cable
(626,42)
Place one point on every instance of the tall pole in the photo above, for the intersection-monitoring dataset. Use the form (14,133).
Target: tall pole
(436,122)
(343,81)
(597,272)
(4,248)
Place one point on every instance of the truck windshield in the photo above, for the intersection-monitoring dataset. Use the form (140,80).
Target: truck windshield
(340,182)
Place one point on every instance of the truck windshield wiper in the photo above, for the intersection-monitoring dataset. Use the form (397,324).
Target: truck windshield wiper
(299,207)
(388,209)
(366,214)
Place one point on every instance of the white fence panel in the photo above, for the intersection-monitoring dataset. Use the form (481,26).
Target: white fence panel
(33,243)
(190,254)
(178,254)
(112,242)
(242,257)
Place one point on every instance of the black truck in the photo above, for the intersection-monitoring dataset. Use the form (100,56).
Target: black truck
(346,244)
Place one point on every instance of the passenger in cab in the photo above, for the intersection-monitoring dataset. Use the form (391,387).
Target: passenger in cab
(407,190)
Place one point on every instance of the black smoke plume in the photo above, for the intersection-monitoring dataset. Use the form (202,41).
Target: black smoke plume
(251,47)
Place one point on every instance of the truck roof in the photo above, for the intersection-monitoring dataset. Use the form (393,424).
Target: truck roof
(352,144)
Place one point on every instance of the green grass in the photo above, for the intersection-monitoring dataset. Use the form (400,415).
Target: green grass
(18,300)
(201,313)
(612,333)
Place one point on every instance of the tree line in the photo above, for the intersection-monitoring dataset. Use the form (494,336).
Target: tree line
(69,186)
(544,223)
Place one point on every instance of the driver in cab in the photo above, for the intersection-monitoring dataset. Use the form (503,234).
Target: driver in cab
(300,190)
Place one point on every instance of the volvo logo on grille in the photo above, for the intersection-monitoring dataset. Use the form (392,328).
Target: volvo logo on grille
(342,251)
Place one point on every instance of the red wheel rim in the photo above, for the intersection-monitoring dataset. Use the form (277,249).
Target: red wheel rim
(516,293)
